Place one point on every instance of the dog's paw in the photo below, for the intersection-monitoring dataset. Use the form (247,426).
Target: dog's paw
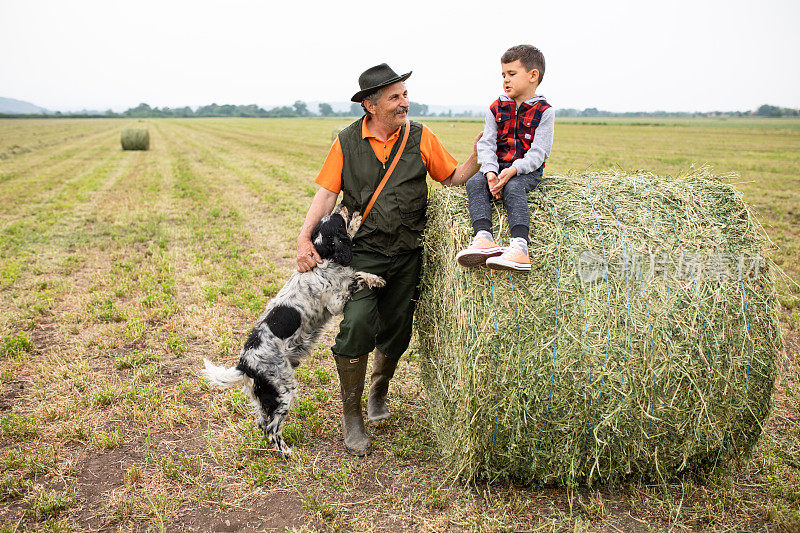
(355,223)
(372,281)
(281,448)
(285,453)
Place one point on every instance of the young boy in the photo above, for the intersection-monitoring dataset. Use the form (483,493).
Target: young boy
(512,151)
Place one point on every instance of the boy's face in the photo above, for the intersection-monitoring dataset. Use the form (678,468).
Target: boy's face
(517,81)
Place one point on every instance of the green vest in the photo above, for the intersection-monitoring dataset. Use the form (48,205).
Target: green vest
(398,216)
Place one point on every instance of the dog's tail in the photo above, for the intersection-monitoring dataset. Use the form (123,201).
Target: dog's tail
(222,377)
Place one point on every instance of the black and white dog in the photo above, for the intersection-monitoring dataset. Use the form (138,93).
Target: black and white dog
(291,324)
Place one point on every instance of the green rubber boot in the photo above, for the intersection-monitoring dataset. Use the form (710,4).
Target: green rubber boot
(382,373)
(351,379)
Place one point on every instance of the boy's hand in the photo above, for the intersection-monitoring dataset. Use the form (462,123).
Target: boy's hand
(497,188)
(491,179)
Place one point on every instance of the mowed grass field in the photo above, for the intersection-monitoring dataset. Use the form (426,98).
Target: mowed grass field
(120,271)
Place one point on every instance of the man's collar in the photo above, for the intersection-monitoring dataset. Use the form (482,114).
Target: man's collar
(365,133)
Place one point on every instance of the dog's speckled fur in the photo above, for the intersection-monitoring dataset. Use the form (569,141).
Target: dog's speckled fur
(291,324)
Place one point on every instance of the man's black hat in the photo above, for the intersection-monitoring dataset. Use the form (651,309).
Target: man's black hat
(374,78)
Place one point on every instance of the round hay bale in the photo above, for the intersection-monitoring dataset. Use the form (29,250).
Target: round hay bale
(135,139)
(643,341)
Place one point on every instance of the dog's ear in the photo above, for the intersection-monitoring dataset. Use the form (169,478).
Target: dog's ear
(342,252)
(331,240)
(316,231)
(322,244)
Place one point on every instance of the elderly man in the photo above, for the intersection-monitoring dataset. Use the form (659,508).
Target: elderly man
(388,242)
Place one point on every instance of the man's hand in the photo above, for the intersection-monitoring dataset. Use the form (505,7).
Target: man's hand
(307,256)
(501,180)
(321,205)
(467,169)
(475,144)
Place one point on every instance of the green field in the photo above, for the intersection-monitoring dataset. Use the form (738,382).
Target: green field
(120,271)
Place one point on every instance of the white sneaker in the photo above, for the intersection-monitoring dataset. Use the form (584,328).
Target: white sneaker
(478,251)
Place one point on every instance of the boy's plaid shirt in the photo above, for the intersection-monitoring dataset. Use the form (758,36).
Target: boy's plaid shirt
(515,128)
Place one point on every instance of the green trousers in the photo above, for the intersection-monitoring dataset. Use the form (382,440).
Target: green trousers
(381,318)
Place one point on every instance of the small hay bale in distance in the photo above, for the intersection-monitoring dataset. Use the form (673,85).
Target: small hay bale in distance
(135,139)
(644,340)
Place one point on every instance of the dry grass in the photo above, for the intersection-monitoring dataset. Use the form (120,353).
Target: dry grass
(121,270)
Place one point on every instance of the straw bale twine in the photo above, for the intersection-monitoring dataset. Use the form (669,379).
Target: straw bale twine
(643,341)
(135,139)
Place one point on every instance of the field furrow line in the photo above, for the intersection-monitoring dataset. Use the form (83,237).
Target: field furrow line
(227,262)
(273,199)
(301,154)
(47,246)
(21,209)
(27,182)
(32,137)
(286,193)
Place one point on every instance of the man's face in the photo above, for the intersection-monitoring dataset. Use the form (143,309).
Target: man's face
(517,80)
(392,107)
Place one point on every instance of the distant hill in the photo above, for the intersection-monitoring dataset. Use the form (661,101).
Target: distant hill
(10,105)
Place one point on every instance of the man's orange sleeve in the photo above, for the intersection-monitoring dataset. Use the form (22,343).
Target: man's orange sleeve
(437,159)
(330,175)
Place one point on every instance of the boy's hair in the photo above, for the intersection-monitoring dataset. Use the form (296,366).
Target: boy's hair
(530,57)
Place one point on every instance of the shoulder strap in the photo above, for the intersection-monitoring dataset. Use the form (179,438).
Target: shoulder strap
(388,173)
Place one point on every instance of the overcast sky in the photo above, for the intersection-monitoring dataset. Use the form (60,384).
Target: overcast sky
(615,55)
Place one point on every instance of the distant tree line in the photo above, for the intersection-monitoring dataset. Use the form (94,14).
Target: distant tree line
(763,111)
(300,109)
(773,111)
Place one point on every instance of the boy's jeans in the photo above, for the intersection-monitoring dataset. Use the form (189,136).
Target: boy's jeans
(515,199)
